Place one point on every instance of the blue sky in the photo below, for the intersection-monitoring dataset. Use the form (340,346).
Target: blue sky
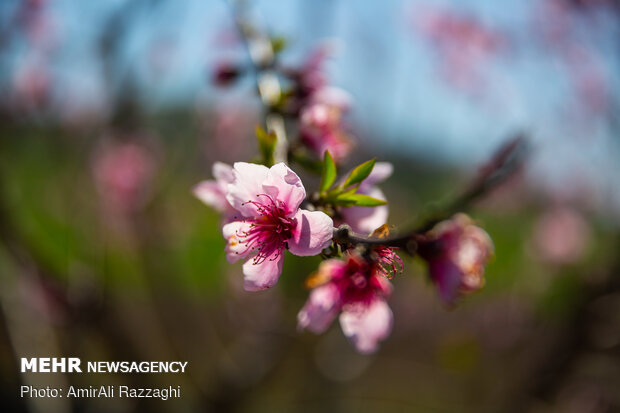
(401,98)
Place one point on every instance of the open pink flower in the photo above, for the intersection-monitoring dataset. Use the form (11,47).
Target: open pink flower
(356,289)
(364,220)
(457,252)
(213,191)
(270,221)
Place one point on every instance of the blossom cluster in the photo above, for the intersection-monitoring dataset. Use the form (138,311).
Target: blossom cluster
(266,211)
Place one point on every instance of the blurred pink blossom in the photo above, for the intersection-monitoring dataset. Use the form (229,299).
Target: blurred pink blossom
(321,130)
(457,252)
(561,236)
(38,24)
(311,76)
(31,85)
(559,24)
(228,130)
(123,173)
(462,44)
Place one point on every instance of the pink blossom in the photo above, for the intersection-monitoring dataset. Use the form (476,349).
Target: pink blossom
(311,76)
(32,85)
(321,130)
(270,221)
(364,220)
(332,96)
(320,108)
(310,81)
(462,44)
(556,21)
(213,191)
(561,235)
(457,252)
(356,289)
(123,173)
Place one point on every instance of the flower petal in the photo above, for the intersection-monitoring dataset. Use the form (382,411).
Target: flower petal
(223,173)
(365,220)
(448,278)
(247,186)
(284,185)
(366,326)
(235,249)
(333,96)
(263,275)
(213,194)
(313,233)
(320,309)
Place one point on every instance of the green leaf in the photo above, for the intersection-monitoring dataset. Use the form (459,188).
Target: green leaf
(328,175)
(358,200)
(338,192)
(360,173)
(266,145)
(278,43)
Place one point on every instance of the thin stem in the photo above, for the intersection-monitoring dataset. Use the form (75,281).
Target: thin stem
(263,61)
(407,242)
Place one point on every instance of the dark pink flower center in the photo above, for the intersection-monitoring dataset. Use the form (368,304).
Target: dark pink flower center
(269,231)
(359,282)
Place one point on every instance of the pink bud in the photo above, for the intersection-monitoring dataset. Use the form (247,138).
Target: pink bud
(457,252)
(225,74)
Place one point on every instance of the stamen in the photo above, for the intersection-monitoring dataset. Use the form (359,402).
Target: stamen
(389,262)
(269,232)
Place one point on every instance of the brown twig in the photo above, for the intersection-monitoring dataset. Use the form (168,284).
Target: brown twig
(505,162)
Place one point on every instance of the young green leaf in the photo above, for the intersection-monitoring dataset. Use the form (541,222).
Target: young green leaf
(359,200)
(360,173)
(329,173)
(338,192)
(278,43)
(266,145)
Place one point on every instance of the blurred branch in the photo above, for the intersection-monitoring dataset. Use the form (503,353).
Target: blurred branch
(507,160)
(121,82)
(263,60)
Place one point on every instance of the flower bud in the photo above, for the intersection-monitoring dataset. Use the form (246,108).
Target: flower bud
(225,74)
(457,252)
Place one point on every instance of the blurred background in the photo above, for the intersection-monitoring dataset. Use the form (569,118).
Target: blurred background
(109,116)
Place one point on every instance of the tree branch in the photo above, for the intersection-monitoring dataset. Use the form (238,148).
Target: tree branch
(507,160)
(262,57)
